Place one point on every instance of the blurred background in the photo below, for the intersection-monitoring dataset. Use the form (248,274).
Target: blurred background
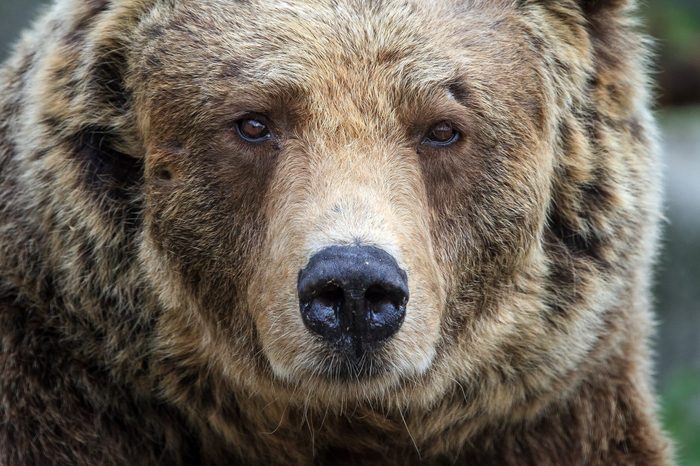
(676,26)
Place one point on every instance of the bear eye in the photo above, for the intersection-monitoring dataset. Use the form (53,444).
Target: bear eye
(441,135)
(253,129)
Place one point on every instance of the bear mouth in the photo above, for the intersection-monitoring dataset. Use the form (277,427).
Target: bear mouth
(342,368)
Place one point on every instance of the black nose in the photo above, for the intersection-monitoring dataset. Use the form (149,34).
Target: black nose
(353,296)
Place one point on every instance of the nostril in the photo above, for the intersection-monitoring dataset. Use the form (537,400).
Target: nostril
(320,310)
(378,296)
(330,295)
(385,311)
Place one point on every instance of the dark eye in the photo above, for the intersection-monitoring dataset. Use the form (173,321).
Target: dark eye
(442,134)
(253,129)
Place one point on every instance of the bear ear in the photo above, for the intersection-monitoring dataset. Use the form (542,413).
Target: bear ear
(590,8)
(596,7)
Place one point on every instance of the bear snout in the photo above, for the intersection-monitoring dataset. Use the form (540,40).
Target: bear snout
(354,297)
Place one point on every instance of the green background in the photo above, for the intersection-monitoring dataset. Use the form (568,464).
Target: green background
(676,26)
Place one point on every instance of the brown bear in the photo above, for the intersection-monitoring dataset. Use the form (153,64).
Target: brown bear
(328,232)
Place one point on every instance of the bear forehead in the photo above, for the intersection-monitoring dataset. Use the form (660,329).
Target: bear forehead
(303,44)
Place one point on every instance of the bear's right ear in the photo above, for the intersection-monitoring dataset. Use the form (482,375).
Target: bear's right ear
(595,7)
(592,8)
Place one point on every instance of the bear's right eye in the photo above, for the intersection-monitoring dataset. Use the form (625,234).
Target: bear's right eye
(253,129)
(441,135)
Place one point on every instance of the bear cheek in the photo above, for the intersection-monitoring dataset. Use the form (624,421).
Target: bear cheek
(164,184)
(192,221)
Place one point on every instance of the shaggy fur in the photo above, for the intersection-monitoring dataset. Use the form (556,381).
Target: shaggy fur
(149,256)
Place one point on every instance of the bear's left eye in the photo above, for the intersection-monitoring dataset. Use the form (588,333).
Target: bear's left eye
(441,135)
(253,129)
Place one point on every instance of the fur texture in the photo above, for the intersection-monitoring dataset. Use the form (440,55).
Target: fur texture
(148,255)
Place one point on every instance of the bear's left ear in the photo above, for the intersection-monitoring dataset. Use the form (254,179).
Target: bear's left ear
(592,9)
(595,7)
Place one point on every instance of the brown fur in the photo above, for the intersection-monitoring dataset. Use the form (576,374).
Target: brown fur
(148,257)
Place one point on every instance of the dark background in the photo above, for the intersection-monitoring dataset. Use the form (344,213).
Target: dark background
(676,26)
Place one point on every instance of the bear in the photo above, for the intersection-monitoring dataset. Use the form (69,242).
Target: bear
(328,232)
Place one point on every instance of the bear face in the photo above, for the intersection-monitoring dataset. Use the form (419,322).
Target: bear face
(412,227)
(346,158)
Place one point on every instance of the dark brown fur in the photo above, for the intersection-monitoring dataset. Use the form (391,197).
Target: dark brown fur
(148,257)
